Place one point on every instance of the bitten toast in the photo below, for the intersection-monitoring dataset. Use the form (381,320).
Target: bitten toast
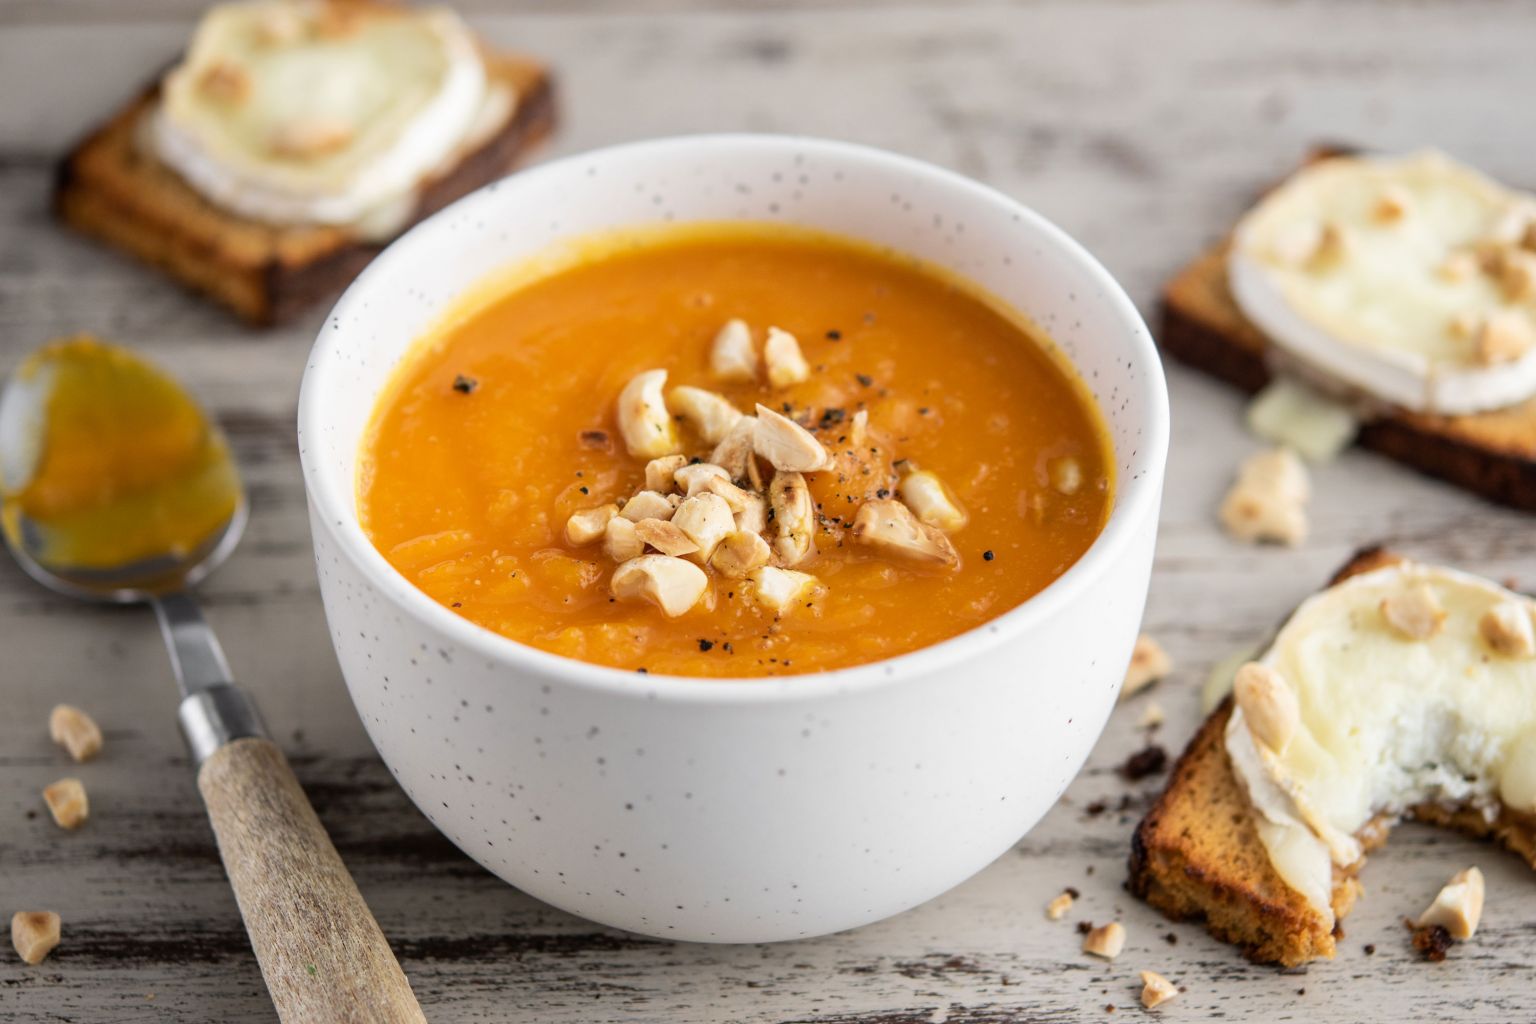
(110,188)
(1491,453)
(1197,855)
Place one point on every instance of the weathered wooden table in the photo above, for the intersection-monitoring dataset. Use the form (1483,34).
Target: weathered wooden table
(1142,128)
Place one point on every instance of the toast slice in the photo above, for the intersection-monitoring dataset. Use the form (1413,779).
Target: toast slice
(108,187)
(1197,855)
(1492,453)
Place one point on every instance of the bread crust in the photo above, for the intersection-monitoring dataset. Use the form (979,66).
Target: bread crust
(109,188)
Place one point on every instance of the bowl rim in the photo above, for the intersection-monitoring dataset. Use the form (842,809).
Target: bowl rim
(333,501)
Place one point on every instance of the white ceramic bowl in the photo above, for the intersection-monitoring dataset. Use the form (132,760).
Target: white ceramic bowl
(742,810)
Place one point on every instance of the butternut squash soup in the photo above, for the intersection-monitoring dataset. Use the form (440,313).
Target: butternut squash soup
(734,450)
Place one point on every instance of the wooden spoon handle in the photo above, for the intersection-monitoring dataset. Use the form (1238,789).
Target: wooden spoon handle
(322,954)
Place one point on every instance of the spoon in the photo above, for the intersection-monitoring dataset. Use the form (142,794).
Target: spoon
(114,486)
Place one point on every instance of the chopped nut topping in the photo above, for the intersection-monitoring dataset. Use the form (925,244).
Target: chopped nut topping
(928,498)
(1459,266)
(660,473)
(1268,705)
(1058,907)
(1503,338)
(1106,941)
(858,428)
(794,518)
(890,527)
(1458,907)
(621,541)
(732,356)
(732,495)
(224,82)
(1294,245)
(665,537)
(753,516)
(1268,501)
(786,366)
(739,554)
(67,803)
(1156,989)
(310,137)
(734,453)
(1151,717)
(706,519)
(589,526)
(779,589)
(647,505)
(693,480)
(786,445)
(75,731)
(1463,325)
(671,584)
(1149,663)
(278,25)
(1514,223)
(34,933)
(643,418)
(1518,276)
(1066,475)
(1507,629)
(1333,246)
(712,416)
(1393,204)
(1414,613)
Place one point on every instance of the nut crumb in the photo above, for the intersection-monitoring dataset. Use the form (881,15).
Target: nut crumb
(1156,989)
(1106,941)
(1504,337)
(1149,663)
(75,731)
(1268,705)
(1058,907)
(1458,907)
(35,934)
(1414,613)
(1268,501)
(1507,629)
(1152,717)
(67,803)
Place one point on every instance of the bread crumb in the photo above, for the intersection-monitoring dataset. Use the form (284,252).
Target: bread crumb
(67,803)
(75,731)
(1106,941)
(1156,989)
(1149,663)
(35,934)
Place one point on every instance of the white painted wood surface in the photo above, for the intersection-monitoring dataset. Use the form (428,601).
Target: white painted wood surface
(1142,128)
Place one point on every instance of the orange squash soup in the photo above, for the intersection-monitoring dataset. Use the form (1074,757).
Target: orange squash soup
(734,450)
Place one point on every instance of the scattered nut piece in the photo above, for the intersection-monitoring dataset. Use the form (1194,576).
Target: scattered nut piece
(1518,276)
(647,505)
(890,527)
(1414,612)
(67,803)
(732,495)
(734,453)
(1268,500)
(794,518)
(1514,223)
(671,584)
(1149,663)
(740,553)
(1268,705)
(1503,338)
(1458,907)
(858,428)
(781,354)
(224,82)
(1393,204)
(1058,907)
(1156,989)
(620,540)
(665,537)
(1457,267)
(778,589)
(1507,629)
(1333,247)
(753,515)
(928,498)
(706,520)
(732,356)
(660,473)
(694,479)
(75,731)
(786,445)
(712,416)
(34,933)
(1066,475)
(589,526)
(306,138)
(1151,717)
(644,421)
(1106,941)
(1295,243)
(1463,326)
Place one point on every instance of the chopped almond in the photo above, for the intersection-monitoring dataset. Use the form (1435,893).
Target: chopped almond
(779,589)
(786,365)
(694,479)
(734,453)
(706,520)
(1268,705)
(1106,941)
(1518,276)
(588,527)
(1463,326)
(644,421)
(734,497)
(75,731)
(786,445)
(1507,629)
(1151,717)
(925,494)
(890,527)
(1156,989)
(752,517)
(1149,663)
(67,803)
(307,138)
(647,505)
(225,82)
(1503,338)
(665,537)
(1414,612)
(660,473)
(794,518)
(739,554)
(1458,906)
(1268,500)
(1066,475)
(712,416)
(35,934)
(621,541)
(1058,907)
(1393,204)
(732,356)
(1457,267)
(672,584)
(1333,247)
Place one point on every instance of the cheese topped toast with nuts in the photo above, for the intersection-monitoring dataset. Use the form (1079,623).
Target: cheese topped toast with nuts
(1267,816)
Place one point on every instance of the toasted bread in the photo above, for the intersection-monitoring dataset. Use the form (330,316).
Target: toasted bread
(1197,855)
(110,188)
(1492,453)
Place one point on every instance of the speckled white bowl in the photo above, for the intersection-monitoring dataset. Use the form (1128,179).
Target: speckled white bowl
(735,811)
